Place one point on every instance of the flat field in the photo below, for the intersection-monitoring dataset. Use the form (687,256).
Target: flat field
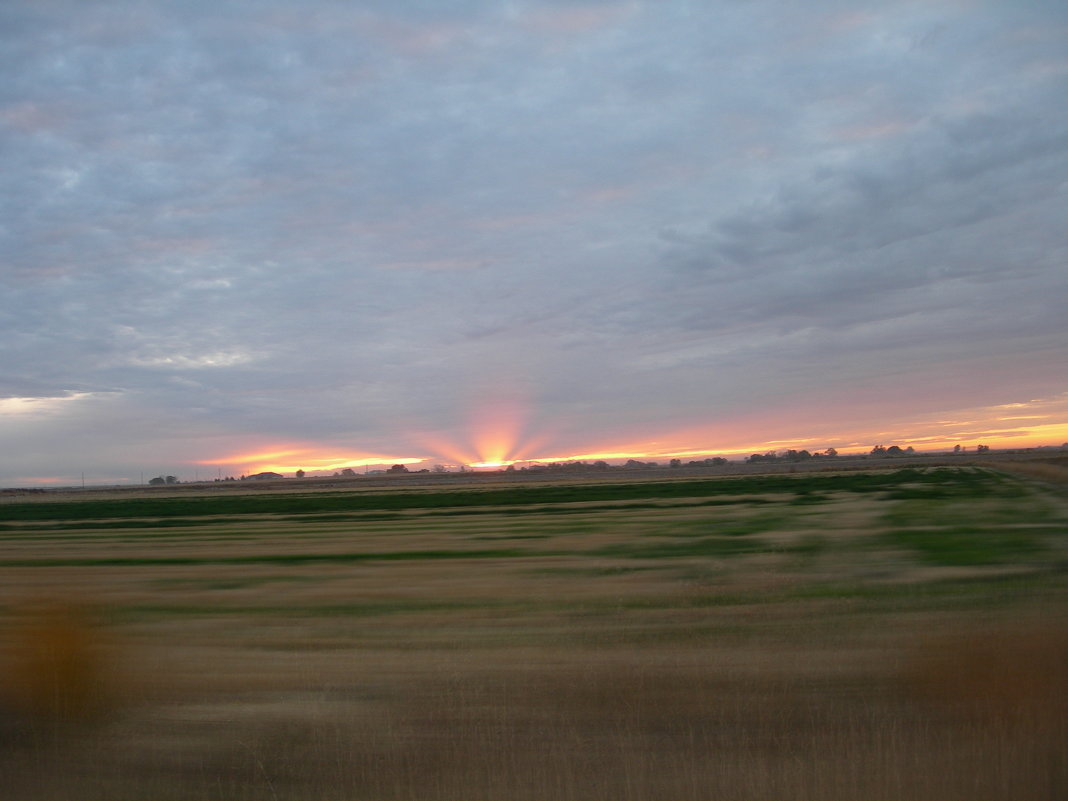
(895,634)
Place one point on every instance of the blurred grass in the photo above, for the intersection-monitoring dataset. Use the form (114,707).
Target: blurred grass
(967,545)
(885,636)
(56,662)
(909,482)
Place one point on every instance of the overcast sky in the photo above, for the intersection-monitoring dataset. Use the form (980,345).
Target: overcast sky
(473,231)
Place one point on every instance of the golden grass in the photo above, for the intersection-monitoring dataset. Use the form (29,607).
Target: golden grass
(566,674)
(1045,471)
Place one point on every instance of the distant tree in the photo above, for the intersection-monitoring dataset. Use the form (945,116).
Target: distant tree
(157,481)
(675,463)
(830,452)
(440,468)
(600,465)
(894,450)
(982,449)
(957,449)
(299,474)
(171,480)
(348,472)
(910,450)
(878,450)
(398,468)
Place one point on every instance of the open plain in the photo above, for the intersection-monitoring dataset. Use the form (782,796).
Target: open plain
(880,634)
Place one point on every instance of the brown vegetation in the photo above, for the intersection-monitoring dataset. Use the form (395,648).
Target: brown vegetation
(830,664)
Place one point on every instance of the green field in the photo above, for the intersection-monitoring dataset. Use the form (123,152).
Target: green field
(877,635)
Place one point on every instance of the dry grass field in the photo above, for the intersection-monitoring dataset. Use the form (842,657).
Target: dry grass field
(886,635)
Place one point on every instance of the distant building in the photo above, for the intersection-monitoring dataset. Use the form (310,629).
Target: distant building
(268,476)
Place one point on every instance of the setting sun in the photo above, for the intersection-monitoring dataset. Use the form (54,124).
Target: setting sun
(498,437)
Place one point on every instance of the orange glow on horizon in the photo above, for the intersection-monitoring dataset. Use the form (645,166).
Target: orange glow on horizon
(499,438)
(308,458)
(1035,423)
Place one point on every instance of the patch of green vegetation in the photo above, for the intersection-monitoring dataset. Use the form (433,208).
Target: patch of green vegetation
(511,536)
(811,545)
(32,528)
(704,546)
(359,609)
(927,512)
(94,525)
(967,546)
(991,591)
(229,582)
(965,483)
(259,559)
(755,524)
(589,572)
(948,482)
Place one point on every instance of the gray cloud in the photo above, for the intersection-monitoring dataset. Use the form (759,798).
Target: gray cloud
(249,220)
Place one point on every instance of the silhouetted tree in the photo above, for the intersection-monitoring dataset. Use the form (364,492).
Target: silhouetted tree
(299,474)
(398,468)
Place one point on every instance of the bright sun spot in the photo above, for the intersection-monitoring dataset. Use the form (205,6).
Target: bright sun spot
(498,436)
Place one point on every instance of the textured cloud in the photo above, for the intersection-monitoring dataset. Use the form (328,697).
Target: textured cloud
(226,224)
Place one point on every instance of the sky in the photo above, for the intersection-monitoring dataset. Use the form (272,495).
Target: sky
(261,235)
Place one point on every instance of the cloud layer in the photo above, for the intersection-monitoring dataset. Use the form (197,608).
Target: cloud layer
(364,227)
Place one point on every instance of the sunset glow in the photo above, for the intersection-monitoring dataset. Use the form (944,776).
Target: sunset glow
(307,458)
(1030,424)
(498,438)
(878,261)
